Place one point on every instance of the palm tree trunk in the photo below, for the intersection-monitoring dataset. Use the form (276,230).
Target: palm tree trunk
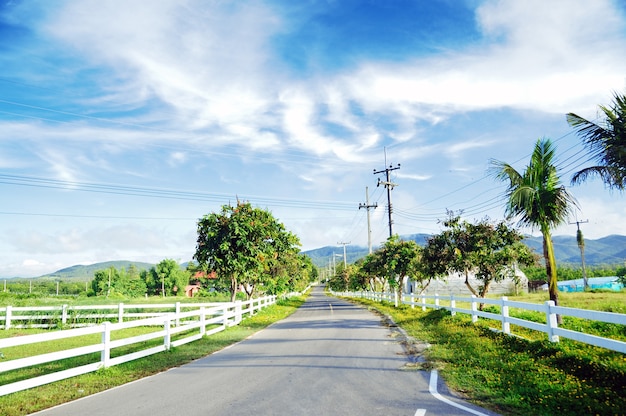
(548,254)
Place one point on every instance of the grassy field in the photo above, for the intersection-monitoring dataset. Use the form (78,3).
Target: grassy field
(523,376)
(29,401)
(510,375)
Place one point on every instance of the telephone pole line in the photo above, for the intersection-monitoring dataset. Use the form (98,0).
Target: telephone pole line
(345,264)
(389,185)
(367,206)
(581,245)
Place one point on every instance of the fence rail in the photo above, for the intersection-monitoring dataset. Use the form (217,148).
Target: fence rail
(85,315)
(191,321)
(548,309)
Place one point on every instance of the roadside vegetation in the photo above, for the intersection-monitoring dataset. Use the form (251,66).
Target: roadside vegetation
(39,398)
(527,375)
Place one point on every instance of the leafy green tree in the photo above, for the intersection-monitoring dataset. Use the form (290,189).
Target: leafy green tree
(104,281)
(166,279)
(606,143)
(401,261)
(373,269)
(238,244)
(359,279)
(283,269)
(538,199)
(437,255)
(491,251)
(499,254)
(396,261)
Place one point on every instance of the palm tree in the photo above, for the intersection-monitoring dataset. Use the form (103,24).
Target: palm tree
(606,143)
(538,199)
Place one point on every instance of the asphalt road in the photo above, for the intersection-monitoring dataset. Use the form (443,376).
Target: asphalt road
(329,358)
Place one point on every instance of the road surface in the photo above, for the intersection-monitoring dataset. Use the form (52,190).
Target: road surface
(329,358)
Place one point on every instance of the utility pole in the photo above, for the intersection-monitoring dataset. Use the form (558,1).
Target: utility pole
(367,206)
(581,245)
(345,264)
(389,185)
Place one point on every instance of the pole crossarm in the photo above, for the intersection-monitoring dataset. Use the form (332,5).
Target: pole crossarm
(389,186)
(367,206)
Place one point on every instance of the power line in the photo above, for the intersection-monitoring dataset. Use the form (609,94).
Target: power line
(168,193)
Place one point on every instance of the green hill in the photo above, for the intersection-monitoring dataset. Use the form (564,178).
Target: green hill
(608,250)
(81,272)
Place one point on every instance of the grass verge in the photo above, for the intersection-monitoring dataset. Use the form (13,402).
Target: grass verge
(39,398)
(511,375)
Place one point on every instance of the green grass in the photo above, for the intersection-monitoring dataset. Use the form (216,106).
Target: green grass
(512,375)
(32,400)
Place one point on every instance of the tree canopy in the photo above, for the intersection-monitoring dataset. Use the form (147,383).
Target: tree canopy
(248,247)
(537,198)
(606,142)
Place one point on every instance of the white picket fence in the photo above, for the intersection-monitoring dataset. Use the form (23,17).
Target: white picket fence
(193,322)
(548,309)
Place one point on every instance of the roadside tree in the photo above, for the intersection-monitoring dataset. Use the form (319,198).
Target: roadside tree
(537,198)
(491,251)
(239,243)
(166,279)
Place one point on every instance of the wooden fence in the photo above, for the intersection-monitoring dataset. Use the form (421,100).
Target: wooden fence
(183,324)
(548,310)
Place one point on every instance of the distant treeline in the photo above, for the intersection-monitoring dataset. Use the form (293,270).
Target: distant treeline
(572,272)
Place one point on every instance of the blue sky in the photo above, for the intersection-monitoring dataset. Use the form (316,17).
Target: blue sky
(123,122)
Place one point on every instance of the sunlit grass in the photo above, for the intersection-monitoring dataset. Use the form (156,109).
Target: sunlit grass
(512,375)
(32,400)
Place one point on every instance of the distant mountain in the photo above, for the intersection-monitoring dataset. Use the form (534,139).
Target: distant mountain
(322,256)
(85,272)
(608,250)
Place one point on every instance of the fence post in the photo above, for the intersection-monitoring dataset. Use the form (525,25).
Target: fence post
(177,314)
(237,312)
(120,312)
(551,321)
(452,305)
(504,310)
(167,338)
(423,300)
(436,300)
(105,354)
(474,309)
(225,315)
(202,322)
(64,315)
(7,318)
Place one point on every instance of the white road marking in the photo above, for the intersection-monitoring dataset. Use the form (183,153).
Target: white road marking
(420,412)
(433,390)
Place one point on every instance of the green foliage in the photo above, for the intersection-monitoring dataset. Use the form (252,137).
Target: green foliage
(49,395)
(390,266)
(516,376)
(537,273)
(490,250)
(166,279)
(118,283)
(248,248)
(537,198)
(606,143)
